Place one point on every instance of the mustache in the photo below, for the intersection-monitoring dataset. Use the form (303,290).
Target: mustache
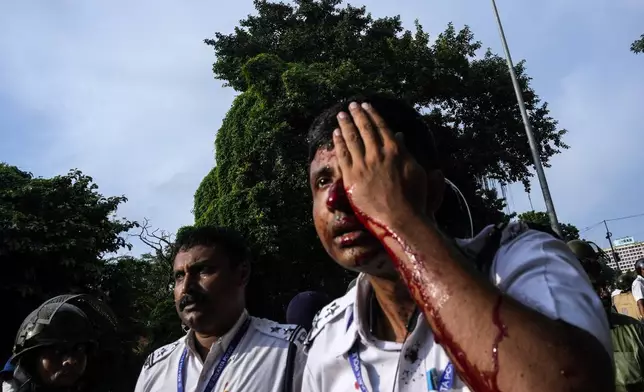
(191,298)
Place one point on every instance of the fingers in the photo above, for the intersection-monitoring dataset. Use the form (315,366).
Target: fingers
(361,134)
(351,136)
(384,133)
(341,151)
(369,134)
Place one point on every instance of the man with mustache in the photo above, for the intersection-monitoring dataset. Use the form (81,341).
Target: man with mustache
(225,348)
(509,310)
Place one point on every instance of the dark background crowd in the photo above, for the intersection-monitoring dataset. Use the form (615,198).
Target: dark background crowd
(60,235)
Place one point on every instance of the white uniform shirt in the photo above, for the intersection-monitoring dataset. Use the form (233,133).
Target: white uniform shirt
(638,288)
(257,364)
(9,386)
(532,267)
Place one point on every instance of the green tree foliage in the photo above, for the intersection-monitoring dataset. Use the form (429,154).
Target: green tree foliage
(638,45)
(140,293)
(570,232)
(139,289)
(291,60)
(53,233)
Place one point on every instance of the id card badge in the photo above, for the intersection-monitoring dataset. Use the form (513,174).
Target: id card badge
(432,380)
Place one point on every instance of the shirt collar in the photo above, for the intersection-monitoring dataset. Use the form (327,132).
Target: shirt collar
(224,340)
(355,317)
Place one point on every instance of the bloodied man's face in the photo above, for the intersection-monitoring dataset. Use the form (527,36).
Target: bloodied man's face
(345,239)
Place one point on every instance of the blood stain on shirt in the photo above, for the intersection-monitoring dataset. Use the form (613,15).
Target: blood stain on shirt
(411,354)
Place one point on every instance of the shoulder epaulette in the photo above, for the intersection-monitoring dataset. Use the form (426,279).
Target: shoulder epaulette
(330,312)
(160,354)
(289,332)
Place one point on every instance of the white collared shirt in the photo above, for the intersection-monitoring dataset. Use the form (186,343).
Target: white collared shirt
(257,364)
(638,288)
(532,267)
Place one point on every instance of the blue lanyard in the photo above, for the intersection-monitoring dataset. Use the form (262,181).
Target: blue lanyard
(446,381)
(223,361)
(445,384)
(354,361)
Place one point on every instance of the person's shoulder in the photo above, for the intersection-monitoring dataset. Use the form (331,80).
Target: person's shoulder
(520,231)
(287,332)
(162,354)
(540,271)
(521,238)
(519,241)
(332,314)
(530,258)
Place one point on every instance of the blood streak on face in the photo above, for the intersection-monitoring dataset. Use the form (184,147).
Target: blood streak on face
(343,236)
(337,198)
(432,297)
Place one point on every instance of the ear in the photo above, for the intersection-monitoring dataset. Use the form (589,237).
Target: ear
(435,190)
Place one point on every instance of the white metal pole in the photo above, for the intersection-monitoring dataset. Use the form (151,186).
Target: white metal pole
(550,207)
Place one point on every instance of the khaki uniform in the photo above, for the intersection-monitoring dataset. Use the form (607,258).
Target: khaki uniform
(625,304)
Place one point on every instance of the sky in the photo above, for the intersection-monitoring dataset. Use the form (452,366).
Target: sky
(124,91)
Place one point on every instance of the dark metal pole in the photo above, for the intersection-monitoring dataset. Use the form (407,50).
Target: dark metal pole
(547,198)
(609,235)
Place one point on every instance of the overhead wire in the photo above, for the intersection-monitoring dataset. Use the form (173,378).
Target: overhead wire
(624,217)
(587,228)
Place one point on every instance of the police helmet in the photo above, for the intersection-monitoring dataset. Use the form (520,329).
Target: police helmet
(582,249)
(66,319)
(639,265)
(52,324)
(625,281)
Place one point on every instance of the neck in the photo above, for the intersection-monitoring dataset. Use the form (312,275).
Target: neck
(396,307)
(205,339)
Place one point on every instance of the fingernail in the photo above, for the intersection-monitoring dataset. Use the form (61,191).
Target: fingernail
(366,106)
(336,132)
(342,115)
(353,106)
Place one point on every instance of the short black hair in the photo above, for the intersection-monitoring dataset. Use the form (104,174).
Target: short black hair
(230,240)
(399,116)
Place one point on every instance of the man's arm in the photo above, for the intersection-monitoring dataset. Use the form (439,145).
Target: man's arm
(496,342)
(471,319)
(638,294)
(640,307)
